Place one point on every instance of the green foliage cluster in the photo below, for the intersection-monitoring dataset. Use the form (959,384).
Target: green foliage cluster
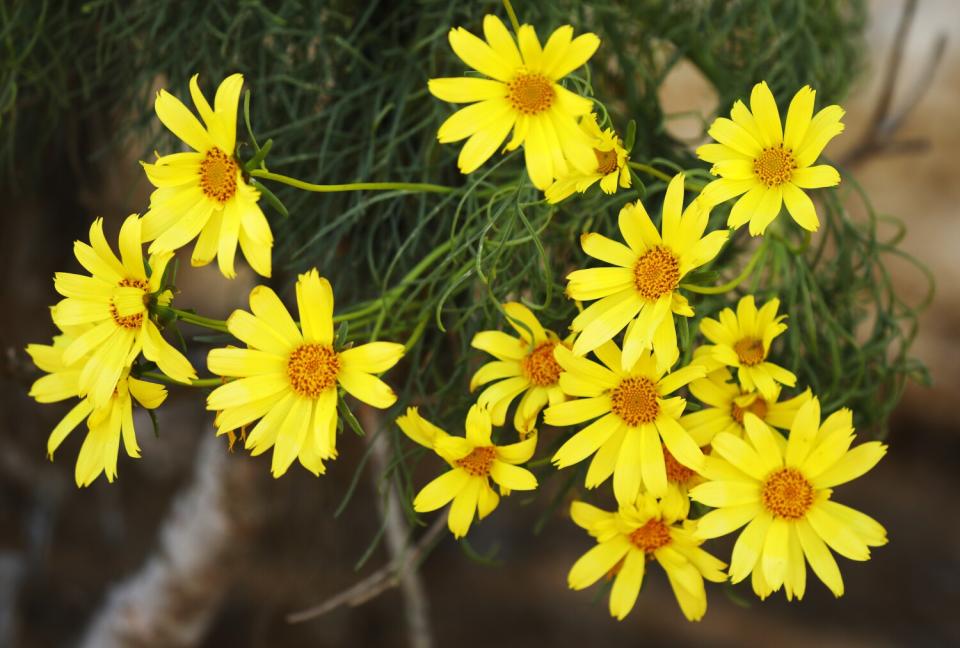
(341,88)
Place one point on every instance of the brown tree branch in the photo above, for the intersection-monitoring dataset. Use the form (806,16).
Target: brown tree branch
(884,123)
(171,600)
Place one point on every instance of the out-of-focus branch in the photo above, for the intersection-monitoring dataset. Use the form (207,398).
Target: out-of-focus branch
(375,584)
(415,604)
(884,123)
(404,557)
(173,597)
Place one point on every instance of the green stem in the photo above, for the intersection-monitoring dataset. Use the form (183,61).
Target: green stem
(354,186)
(203,382)
(199,320)
(512,14)
(657,173)
(733,283)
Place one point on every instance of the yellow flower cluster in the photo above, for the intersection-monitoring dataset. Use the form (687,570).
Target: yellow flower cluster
(727,455)
(286,378)
(755,460)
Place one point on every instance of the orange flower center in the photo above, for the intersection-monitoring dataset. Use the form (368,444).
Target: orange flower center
(750,351)
(531,94)
(478,462)
(651,536)
(635,401)
(656,273)
(540,367)
(774,166)
(606,161)
(758,407)
(312,369)
(218,175)
(787,494)
(129,321)
(677,473)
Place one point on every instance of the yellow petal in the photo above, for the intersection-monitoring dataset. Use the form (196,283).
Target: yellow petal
(181,122)
(464,505)
(597,562)
(587,441)
(764,108)
(225,106)
(374,357)
(479,55)
(466,89)
(315,304)
(369,389)
(800,207)
(440,491)
(749,545)
(626,585)
(512,477)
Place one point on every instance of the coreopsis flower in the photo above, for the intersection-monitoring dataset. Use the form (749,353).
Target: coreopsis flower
(781,490)
(113,304)
(638,533)
(201,194)
(611,169)
(474,460)
(523,364)
(288,377)
(633,416)
(743,340)
(640,291)
(726,403)
(522,93)
(768,165)
(107,424)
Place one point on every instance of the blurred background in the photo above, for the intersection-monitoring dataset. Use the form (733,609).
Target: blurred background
(236,551)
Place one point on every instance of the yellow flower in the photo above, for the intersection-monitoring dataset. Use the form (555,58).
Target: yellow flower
(112,304)
(474,460)
(768,165)
(635,415)
(632,536)
(726,403)
(781,490)
(523,93)
(743,341)
(288,376)
(524,364)
(106,424)
(640,290)
(201,193)
(611,168)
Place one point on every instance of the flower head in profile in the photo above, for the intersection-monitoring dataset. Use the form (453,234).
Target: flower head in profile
(523,364)
(628,539)
(520,91)
(769,165)
(743,340)
(289,375)
(781,490)
(639,291)
(726,403)
(611,169)
(201,194)
(106,425)
(474,460)
(112,306)
(635,419)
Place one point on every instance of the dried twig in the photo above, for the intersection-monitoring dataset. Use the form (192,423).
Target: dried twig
(397,531)
(403,563)
(173,597)
(884,123)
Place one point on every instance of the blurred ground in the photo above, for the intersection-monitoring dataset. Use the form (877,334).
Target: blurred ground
(60,549)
